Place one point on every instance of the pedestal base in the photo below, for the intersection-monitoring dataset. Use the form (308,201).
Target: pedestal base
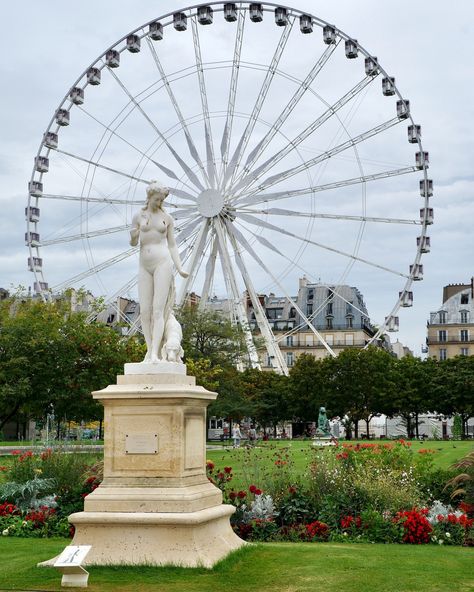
(187,539)
(155,505)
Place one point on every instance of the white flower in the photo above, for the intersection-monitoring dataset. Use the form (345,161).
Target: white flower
(448,535)
(344,534)
(440,542)
(434,538)
(5,532)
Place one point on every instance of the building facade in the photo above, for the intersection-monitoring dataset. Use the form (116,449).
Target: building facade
(338,313)
(451,328)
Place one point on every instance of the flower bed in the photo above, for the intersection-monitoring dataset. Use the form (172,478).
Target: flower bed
(363,492)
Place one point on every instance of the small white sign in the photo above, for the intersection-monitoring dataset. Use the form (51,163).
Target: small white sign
(72,555)
(141,443)
(69,564)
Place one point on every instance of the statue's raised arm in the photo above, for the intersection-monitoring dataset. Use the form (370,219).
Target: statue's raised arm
(153,229)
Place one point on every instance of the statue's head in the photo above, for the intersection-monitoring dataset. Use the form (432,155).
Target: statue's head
(156,193)
(322,410)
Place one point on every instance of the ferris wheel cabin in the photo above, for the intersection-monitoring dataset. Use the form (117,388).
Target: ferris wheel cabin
(35,188)
(205,15)
(133,43)
(180,21)
(424,244)
(35,263)
(256,13)
(406,298)
(281,16)
(230,12)
(414,133)
(62,117)
(112,58)
(155,31)
(32,214)
(426,187)
(42,164)
(76,95)
(351,49)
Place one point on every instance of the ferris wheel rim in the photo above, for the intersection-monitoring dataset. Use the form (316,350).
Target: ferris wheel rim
(243,5)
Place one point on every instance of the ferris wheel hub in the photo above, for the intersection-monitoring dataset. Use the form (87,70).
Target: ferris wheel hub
(210,203)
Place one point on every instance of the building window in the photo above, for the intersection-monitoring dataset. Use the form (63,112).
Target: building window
(292,313)
(289,341)
(329,323)
(464,298)
(289,359)
(309,341)
(464,316)
(349,322)
(310,294)
(329,308)
(442,317)
(464,334)
(442,354)
(349,338)
(309,310)
(442,335)
(329,339)
(464,351)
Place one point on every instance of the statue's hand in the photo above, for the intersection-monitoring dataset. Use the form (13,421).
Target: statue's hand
(183,273)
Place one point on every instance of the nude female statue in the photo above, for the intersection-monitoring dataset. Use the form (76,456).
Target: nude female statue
(154,229)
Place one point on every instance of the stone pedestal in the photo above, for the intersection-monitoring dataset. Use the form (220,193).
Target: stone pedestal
(155,505)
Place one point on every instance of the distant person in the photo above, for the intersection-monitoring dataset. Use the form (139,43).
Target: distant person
(252,435)
(236,435)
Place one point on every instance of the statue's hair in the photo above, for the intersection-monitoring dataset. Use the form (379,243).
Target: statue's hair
(155,187)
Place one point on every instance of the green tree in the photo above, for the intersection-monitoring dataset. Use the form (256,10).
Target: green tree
(363,383)
(310,387)
(267,394)
(210,335)
(413,393)
(50,356)
(453,388)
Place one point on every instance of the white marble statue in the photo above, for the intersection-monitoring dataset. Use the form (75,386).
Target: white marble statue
(153,228)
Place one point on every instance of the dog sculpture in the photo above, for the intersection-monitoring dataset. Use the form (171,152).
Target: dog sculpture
(172,350)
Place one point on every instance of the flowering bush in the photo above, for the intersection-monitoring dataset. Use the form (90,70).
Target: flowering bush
(317,531)
(415,525)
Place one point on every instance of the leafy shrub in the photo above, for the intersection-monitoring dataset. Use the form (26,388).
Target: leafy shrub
(295,507)
(415,525)
(26,496)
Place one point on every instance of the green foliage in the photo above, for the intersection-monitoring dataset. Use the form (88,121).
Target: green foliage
(50,356)
(26,495)
(210,335)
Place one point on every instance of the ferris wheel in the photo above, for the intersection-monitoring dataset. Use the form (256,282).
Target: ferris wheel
(287,147)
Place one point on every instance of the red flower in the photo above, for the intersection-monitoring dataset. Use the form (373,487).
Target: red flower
(227,470)
(220,475)
(241,494)
(210,466)
(252,489)
(232,495)
(46,454)
(317,529)
(292,490)
(15,452)
(3,468)
(258,492)
(415,525)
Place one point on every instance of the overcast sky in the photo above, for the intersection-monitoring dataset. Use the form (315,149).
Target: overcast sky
(425,45)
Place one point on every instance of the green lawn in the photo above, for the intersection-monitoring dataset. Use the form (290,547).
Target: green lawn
(300,451)
(264,568)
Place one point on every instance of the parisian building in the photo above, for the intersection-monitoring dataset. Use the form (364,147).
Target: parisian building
(451,327)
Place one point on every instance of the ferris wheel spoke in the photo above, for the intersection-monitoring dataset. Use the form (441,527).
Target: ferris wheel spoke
(182,213)
(288,109)
(283,212)
(187,230)
(82,235)
(271,342)
(265,197)
(245,244)
(101,166)
(95,269)
(273,180)
(234,295)
(197,251)
(85,198)
(251,177)
(209,273)
(211,161)
(112,301)
(225,142)
(192,148)
(262,95)
(263,223)
(113,132)
(187,170)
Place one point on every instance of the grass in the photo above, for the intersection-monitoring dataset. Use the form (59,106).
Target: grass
(301,567)
(446,453)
